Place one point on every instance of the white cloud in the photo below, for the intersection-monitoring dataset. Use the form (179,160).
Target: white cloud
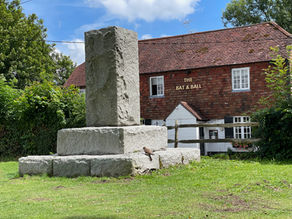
(148,10)
(88,27)
(76,51)
(146,36)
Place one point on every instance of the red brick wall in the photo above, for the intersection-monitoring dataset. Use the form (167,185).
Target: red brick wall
(214,99)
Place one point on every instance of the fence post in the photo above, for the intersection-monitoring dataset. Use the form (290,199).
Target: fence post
(176,134)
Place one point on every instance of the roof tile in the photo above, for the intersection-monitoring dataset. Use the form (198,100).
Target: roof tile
(231,46)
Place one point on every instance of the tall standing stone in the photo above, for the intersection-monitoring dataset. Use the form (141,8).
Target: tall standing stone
(112,77)
(112,100)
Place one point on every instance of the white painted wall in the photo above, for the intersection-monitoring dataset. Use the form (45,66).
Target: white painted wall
(157,122)
(184,117)
(216,147)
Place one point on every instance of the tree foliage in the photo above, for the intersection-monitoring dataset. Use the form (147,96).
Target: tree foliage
(274,131)
(275,121)
(245,12)
(278,78)
(24,53)
(31,117)
(63,67)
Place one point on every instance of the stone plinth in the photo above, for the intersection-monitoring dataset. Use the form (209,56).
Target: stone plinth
(110,140)
(105,165)
(112,77)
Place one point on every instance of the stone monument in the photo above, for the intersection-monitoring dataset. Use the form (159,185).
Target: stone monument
(112,99)
(113,141)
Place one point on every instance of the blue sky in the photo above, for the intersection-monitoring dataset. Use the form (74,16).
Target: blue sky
(69,19)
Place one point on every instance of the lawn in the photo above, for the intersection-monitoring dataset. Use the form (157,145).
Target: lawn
(213,188)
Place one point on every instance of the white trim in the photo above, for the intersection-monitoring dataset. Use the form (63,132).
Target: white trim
(240,79)
(243,130)
(150,86)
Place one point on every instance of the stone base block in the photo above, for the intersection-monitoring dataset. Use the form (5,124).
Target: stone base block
(110,140)
(36,165)
(71,166)
(174,156)
(105,165)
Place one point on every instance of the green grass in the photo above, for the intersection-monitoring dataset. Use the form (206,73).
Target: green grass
(213,188)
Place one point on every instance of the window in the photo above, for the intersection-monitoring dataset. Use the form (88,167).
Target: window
(242,131)
(82,90)
(240,79)
(157,86)
(213,134)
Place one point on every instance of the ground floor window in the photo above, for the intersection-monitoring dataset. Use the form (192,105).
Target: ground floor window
(242,132)
(213,134)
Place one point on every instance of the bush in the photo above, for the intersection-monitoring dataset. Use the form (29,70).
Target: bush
(34,116)
(275,131)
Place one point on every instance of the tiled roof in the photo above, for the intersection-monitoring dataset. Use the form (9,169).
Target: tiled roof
(77,77)
(193,111)
(231,46)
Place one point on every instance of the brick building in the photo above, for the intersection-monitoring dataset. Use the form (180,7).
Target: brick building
(211,77)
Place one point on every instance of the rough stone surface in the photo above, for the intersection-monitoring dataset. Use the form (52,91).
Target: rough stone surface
(110,140)
(174,156)
(142,162)
(71,166)
(169,158)
(112,166)
(36,165)
(190,154)
(106,165)
(112,77)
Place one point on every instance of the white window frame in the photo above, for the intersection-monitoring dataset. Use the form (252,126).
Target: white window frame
(241,70)
(150,84)
(241,132)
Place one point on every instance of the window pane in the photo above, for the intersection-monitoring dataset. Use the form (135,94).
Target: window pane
(237,119)
(156,84)
(154,81)
(154,90)
(159,89)
(244,79)
(245,119)
(237,132)
(236,79)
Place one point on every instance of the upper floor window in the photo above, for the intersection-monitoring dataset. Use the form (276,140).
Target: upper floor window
(242,131)
(240,79)
(157,86)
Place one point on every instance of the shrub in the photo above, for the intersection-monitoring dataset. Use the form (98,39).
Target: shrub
(275,131)
(36,115)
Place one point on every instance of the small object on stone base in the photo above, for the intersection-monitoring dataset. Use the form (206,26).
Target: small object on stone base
(148,152)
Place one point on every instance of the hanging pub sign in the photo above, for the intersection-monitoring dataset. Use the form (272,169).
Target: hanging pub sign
(188,86)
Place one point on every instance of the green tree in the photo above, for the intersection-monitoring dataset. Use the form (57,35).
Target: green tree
(63,67)
(24,53)
(278,78)
(275,119)
(31,118)
(245,12)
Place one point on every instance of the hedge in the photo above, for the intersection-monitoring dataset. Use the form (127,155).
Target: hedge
(275,131)
(30,119)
